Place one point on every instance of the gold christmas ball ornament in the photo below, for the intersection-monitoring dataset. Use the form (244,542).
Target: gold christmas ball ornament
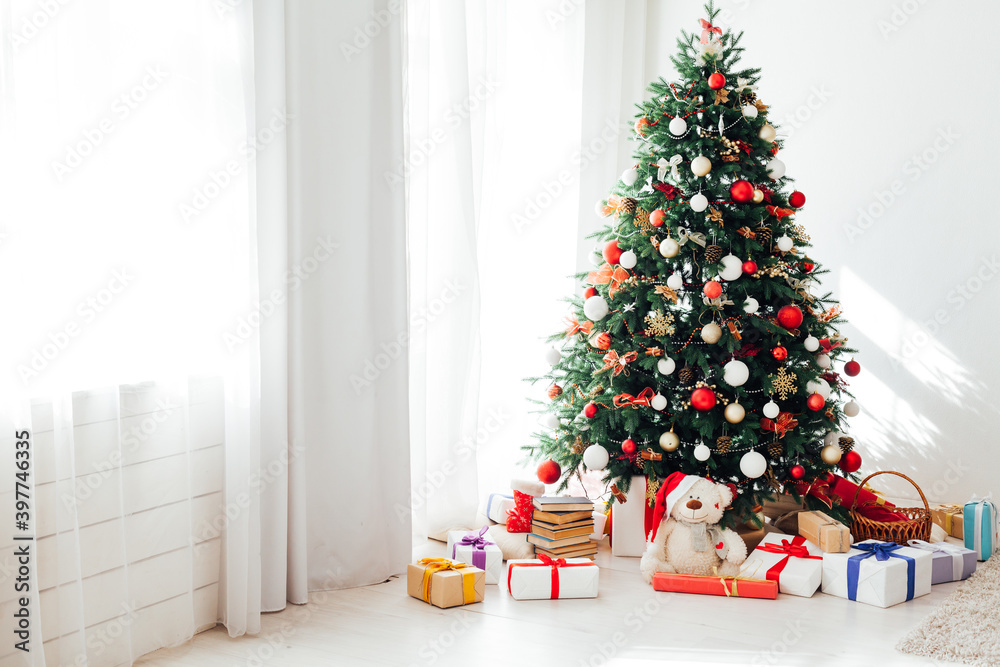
(831,455)
(735,413)
(758,196)
(767,132)
(711,333)
(669,441)
(700,166)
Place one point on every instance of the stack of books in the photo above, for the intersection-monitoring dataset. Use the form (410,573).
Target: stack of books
(561,527)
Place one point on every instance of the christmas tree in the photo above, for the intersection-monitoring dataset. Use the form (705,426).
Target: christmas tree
(698,344)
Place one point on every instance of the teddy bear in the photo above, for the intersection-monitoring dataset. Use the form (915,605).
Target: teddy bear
(686,536)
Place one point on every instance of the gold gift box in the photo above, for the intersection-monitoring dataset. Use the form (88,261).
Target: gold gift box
(445,583)
(828,534)
(949,517)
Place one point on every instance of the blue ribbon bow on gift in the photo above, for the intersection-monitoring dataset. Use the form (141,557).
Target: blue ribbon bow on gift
(882,551)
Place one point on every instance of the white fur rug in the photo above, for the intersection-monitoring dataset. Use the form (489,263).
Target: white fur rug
(966,627)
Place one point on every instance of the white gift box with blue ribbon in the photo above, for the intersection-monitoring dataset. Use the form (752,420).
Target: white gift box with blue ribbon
(981,527)
(477,549)
(497,506)
(882,574)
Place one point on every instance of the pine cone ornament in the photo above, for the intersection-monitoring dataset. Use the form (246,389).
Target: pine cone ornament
(627,206)
(723,444)
(763,235)
(776,449)
(686,375)
(750,97)
(846,443)
(713,254)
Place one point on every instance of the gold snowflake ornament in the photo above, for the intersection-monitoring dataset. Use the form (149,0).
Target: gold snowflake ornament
(799,234)
(783,383)
(659,324)
(652,486)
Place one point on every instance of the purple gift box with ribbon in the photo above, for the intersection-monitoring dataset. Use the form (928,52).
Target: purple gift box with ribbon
(951,562)
(477,549)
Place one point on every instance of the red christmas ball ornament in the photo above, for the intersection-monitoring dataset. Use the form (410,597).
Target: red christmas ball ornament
(703,399)
(852,368)
(850,462)
(807,266)
(815,402)
(612,253)
(712,289)
(749,267)
(790,316)
(549,472)
(779,353)
(797,199)
(555,391)
(641,126)
(741,191)
(716,81)
(589,292)
(590,410)
(797,472)
(629,446)
(602,341)
(656,218)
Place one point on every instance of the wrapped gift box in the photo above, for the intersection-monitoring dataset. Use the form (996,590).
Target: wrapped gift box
(948,517)
(791,561)
(628,521)
(737,587)
(546,579)
(828,534)
(882,574)
(951,562)
(497,506)
(881,510)
(981,527)
(445,583)
(478,549)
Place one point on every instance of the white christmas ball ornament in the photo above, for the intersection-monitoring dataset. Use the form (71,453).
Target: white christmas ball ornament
(666,365)
(700,166)
(658,402)
(823,360)
(771,410)
(552,356)
(630,176)
(698,203)
(550,421)
(750,111)
(595,308)
(732,268)
(669,248)
(711,333)
(702,452)
(852,409)
(784,244)
(734,413)
(677,126)
(628,259)
(811,343)
(775,169)
(767,132)
(831,438)
(675,281)
(750,306)
(753,464)
(735,373)
(595,457)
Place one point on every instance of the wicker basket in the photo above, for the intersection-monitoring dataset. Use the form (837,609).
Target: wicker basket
(917,525)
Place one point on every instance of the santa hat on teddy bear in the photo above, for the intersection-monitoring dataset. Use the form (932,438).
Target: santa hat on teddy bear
(674,486)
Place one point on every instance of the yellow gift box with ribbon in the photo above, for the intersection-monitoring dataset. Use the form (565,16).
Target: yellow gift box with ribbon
(445,583)
(949,517)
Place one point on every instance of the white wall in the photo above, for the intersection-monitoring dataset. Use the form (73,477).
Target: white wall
(874,100)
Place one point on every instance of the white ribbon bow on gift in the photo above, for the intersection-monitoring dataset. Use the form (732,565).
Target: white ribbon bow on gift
(684,235)
(670,165)
(717,302)
(957,554)
(743,84)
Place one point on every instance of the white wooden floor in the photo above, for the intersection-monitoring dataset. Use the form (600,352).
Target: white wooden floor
(629,624)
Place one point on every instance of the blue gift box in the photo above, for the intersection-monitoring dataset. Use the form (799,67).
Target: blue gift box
(980,525)
(951,562)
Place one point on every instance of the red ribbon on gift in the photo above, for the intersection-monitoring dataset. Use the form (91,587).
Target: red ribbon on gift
(707,29)
(616,364)
(626,400)
(547,562)
(793,549)
(576,327)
